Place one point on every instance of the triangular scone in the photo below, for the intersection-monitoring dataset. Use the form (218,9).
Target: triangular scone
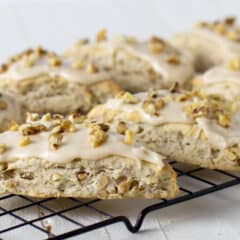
(187,127)
(60,157)
(221,80)
(210,43)
(47,82)
(136,65)
(11,111)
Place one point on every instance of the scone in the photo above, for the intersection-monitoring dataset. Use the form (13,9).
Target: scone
(135,65)
(60,157)
(46,82)
(187,127)
(223,80)
(11,111)
(210,43)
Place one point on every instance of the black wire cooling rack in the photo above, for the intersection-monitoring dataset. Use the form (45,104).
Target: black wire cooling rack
(20,216)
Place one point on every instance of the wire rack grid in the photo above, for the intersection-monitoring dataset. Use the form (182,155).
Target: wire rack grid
(13,217)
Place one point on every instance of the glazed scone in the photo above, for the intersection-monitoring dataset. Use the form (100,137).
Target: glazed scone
(46,82)
(60,157)
(210,43)
(11,111)
(135,65)
(187,127)
(223,80)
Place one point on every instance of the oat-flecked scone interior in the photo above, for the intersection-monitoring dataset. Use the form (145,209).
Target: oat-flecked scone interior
(63,157)
(46,82)
(185,126)
(11,111)
(135,65)
(210,43)
(223,80)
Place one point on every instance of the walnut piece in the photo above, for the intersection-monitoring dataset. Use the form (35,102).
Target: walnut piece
(129,137)
(24,141)
(3,105)
(3,148)
(97,135)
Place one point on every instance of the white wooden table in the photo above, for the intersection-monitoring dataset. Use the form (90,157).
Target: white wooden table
(56,25)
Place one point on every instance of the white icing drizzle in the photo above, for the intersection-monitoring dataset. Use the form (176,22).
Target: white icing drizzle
(221,74)
(18,71)
(171,113)
(222,81)
(181,72)
(225,47)
(219,136)
(74,145)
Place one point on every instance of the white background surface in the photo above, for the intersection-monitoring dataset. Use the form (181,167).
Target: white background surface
(57,24)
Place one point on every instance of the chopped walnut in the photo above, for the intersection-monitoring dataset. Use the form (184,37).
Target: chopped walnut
(224,120)
(232,35)
(175,60)
(159,103)
(91,69)
(3,68)
(72,128)
(3,148)
(3,166)
(32,117)
(234,64)
(14,127)
(134,116)
(27,175)
(47,117)
(200,24)
(121,127)
(229,20)
(174,88)
(3,105)
(97,135)
(77,118)
(54,61)
(24,141)
(101,35)
(40,51)
(220,28)
(31,130)
(30,61)
(81,175)
(55,140)
(129,137)
(156,45)
(78,64)
(149,107)
(56,177)
(129,98)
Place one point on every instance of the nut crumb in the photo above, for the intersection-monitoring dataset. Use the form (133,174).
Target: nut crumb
(3,105)
(129,137)
(121,128)
(91,69)
(101,35)
(24,141)
(55,140)
(129,98)
(56,177)
(234,64)
(14,127)
(3,148)
(97,135)
(174,60)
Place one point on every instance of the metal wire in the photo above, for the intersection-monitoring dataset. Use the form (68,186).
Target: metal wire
(194,174)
